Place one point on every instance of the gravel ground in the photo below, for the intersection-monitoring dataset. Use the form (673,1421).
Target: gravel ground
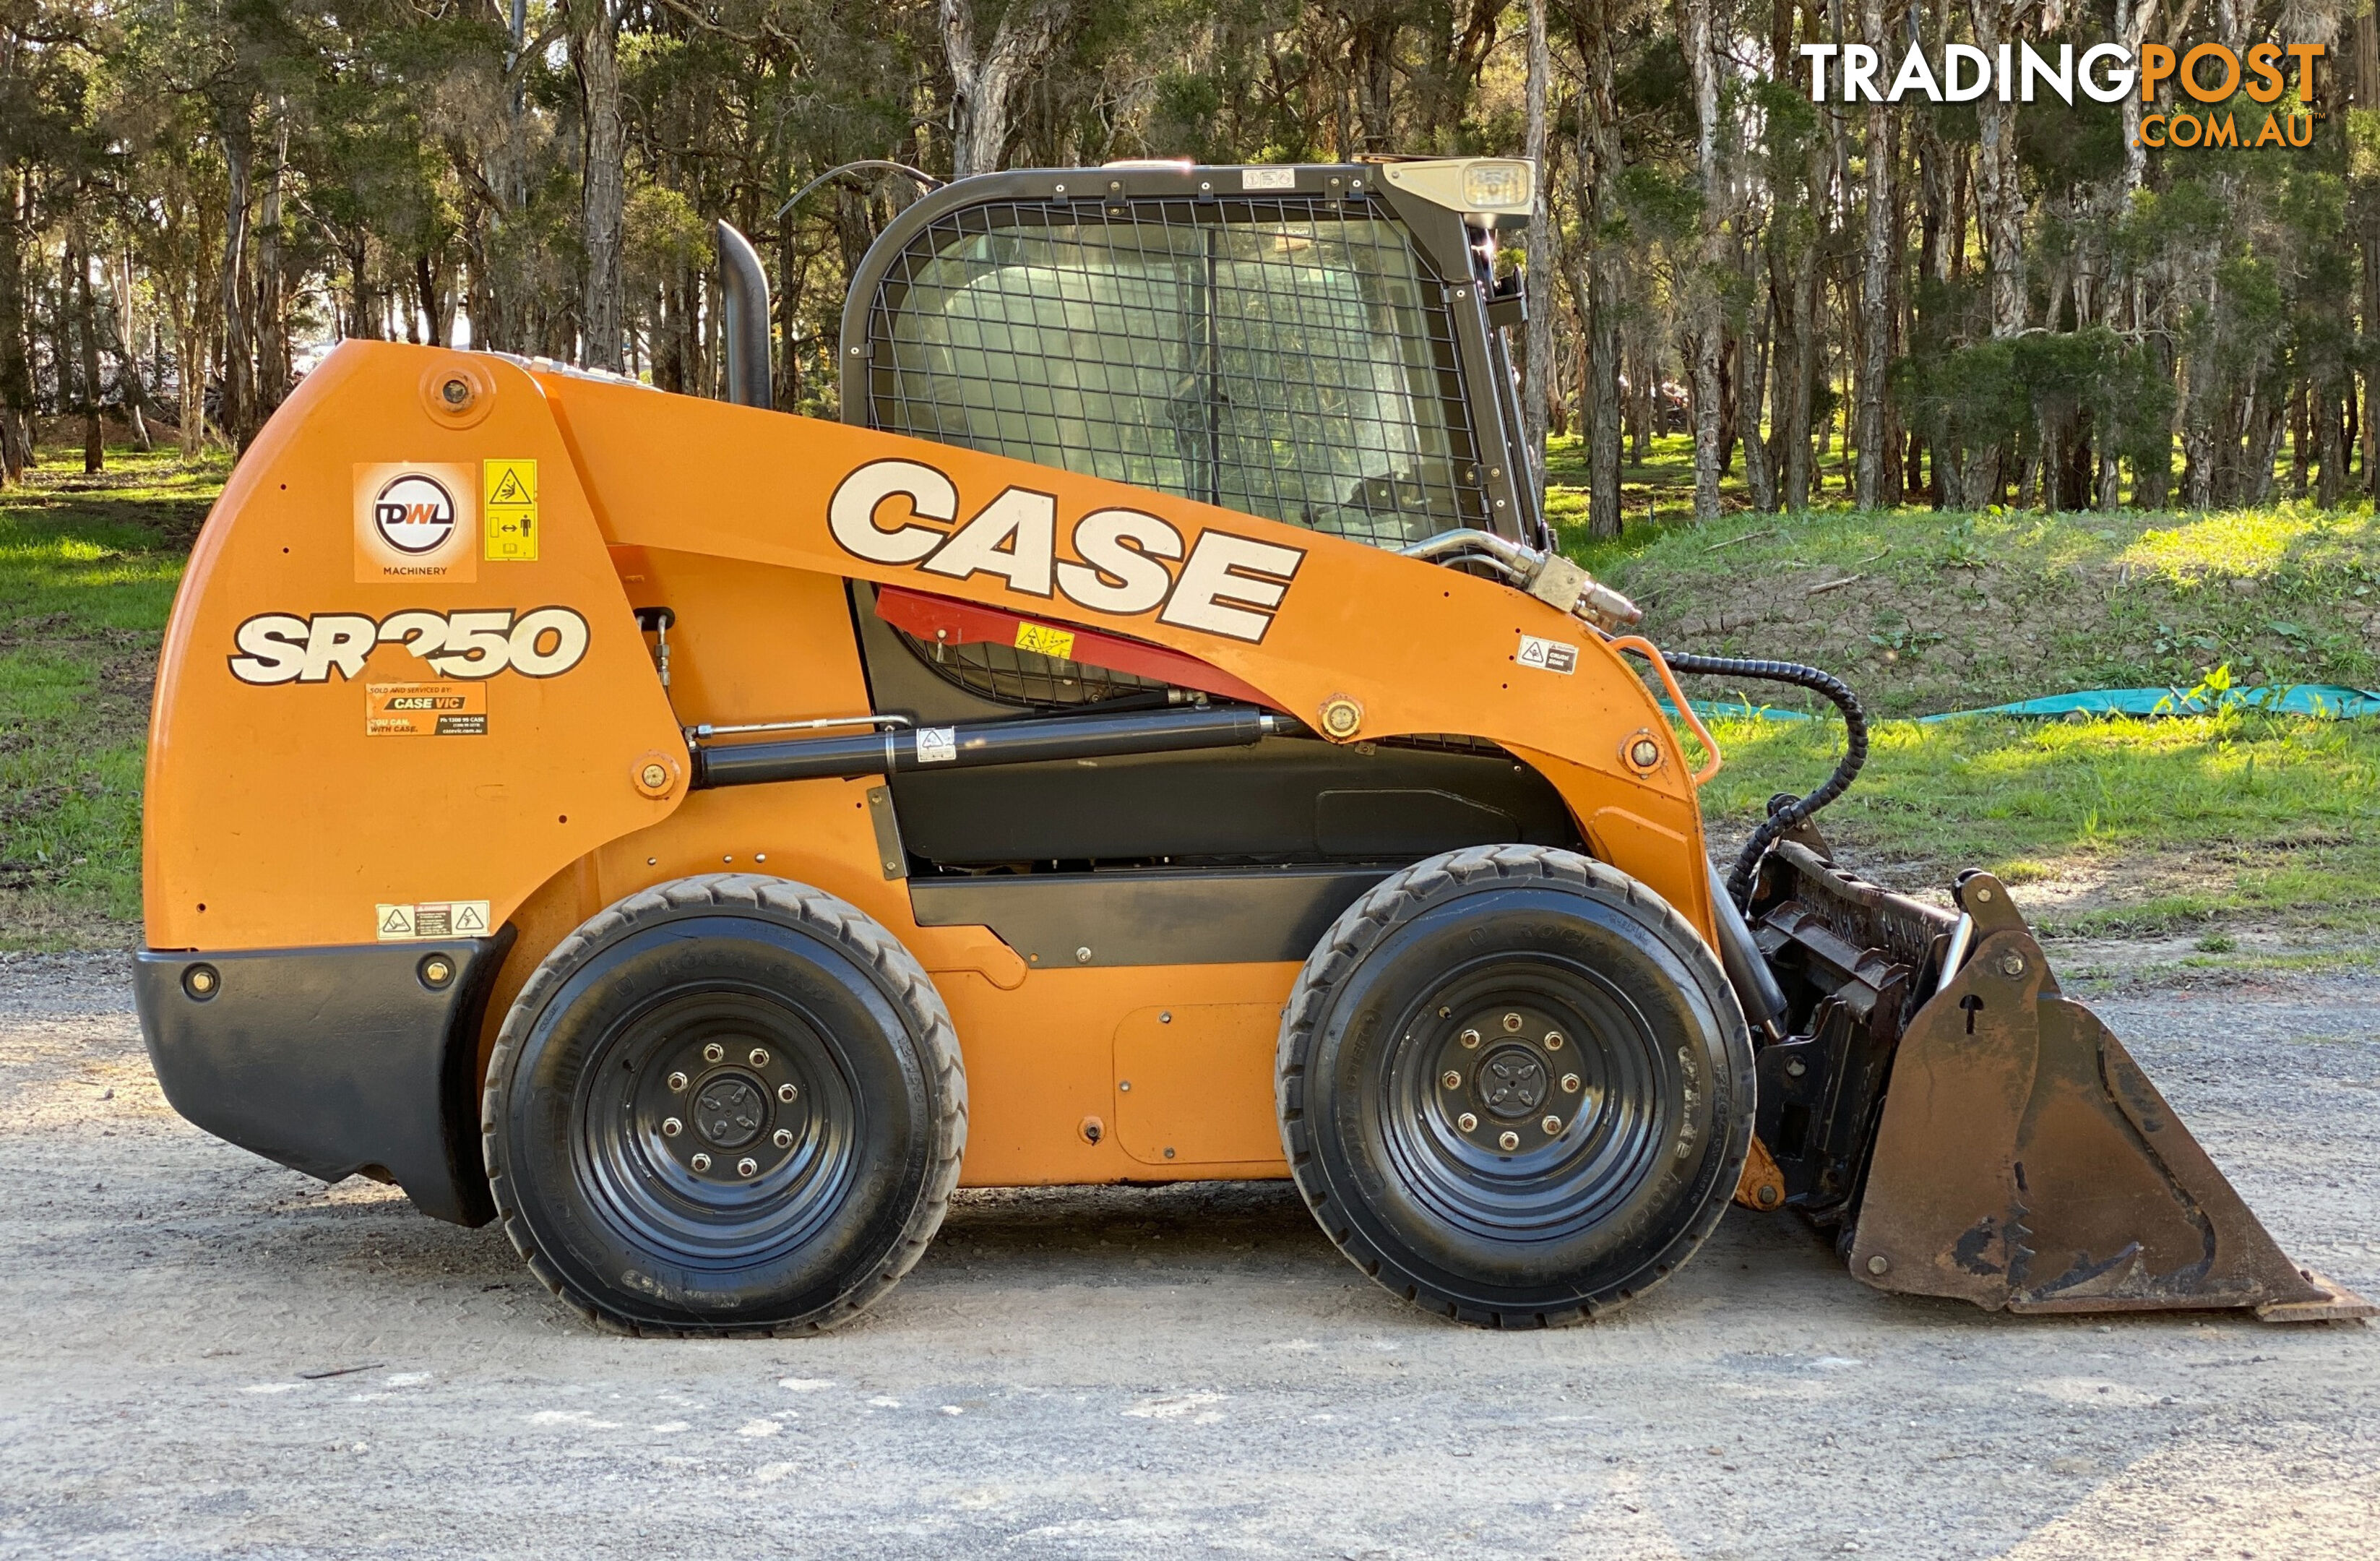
(212,1356)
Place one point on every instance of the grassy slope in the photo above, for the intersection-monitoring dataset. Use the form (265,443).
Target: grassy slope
(2120,826)
(88,567)
(2117,826)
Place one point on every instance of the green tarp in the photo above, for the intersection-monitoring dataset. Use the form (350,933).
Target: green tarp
(2325,700)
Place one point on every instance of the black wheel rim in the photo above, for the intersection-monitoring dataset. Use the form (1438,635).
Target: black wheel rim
(717,1127)
(1524,1099)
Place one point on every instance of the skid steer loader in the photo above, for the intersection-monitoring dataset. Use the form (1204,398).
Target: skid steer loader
(1152,737)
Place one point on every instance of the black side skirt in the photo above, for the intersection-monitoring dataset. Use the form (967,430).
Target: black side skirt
(332,1061)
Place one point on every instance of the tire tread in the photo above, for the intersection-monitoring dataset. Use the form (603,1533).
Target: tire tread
(1360,928)
(896,970)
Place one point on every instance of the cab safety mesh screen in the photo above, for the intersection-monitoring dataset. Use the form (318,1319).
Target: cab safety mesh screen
(1291,358)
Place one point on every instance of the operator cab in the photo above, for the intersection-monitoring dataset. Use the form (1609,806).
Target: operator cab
(1317,345)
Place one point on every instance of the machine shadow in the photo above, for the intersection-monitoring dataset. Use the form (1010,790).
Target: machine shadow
(1205,1221)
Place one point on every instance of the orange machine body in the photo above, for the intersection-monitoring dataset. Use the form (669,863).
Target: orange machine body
(335,763)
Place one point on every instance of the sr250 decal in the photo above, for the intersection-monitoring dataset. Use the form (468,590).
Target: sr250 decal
(1228,585)
(285,648)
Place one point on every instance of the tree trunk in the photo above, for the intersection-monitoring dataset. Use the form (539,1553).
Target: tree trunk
(124,331)
(603,180)
(1752,393)
(2330,483)
(271,324)
(86,322)
(16,361)
(1797,383)
(1536,291)
(983,83)
(425,287)
(239,419)
(1875,287)
(1598,196)
(1998,195)
(1696,32)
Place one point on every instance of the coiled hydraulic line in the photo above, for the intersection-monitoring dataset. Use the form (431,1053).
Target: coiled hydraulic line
(1781,819)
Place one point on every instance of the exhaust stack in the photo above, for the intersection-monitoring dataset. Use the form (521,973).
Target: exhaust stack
(743,288)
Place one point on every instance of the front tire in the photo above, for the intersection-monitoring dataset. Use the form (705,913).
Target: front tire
(1514,1086)
(726,1104)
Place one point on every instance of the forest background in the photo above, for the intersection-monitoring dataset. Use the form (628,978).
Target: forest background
(1787,334)
(1959,305)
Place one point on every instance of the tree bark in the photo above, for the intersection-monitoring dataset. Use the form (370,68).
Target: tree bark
(239,414)
(1999,197)
(1599,199)
(984,82)
(271,324)
(86,320)
(603,180)
(1875,287)
(1536,283)
(123,333)
(1757,475)
(2331,483)
(16,362)
(1797,368)
(1696,32)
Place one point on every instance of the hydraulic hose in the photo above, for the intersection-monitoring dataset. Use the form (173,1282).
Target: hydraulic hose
(1781,819)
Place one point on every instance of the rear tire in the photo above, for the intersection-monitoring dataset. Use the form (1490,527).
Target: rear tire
(727,1104)
(1514,1086)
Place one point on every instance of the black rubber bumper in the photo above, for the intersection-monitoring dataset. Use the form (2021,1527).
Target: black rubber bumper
(332,1061)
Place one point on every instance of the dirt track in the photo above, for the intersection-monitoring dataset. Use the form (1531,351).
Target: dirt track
(209,1354)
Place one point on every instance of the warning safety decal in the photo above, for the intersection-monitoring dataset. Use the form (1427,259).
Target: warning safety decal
(426,710)
(509,505)
(434,919)
(1045,641)
(1552,655)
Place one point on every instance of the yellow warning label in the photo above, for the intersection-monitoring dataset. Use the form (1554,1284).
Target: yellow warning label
(509,505)
(1045,641)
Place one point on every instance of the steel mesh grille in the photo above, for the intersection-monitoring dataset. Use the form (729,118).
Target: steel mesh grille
(1290,359)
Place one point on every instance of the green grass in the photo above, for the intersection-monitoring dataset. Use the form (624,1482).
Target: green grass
(1925,612)
(88,568)
(2146,826)
(1657,490)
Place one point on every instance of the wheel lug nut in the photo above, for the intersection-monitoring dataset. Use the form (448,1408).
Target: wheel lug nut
(759,1056)
(1569,1083)
(1512,1022)
(1553,1041)
(1450,1078)
(672,1127)
(1470,1038)
(713,1052)
(702,1162)
(677,1083)
(747,1166)
(786,1092)
(783,1139)
(1552,1124)
(1467,1122)
(1509,1141)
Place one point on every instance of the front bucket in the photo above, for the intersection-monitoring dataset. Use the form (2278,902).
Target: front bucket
(2021,1160)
